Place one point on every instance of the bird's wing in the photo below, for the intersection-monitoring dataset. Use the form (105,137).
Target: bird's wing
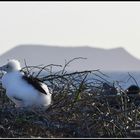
(35,82)
(16,98)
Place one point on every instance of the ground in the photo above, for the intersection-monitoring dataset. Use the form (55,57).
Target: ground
(80,108)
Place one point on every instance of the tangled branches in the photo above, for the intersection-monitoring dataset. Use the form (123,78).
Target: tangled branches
(84,104)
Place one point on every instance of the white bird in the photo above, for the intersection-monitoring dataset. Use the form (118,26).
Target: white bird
(23,90)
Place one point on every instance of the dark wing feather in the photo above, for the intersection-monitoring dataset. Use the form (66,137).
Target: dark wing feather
(35,82)
(17,98)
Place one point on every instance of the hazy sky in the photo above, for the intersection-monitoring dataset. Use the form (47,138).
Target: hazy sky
(100,24)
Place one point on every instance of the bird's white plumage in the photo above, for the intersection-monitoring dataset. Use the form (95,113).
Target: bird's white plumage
(17,88)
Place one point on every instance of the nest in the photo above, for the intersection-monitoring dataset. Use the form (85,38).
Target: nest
(82,106)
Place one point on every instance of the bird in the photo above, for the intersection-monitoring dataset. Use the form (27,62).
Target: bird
(133,89)
(133,93)
(24,90)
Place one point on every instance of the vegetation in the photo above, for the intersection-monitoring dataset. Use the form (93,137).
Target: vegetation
(84,104)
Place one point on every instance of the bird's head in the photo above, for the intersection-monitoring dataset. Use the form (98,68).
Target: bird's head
(12,65)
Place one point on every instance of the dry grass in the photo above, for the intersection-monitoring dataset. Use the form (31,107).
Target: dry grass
(80,108)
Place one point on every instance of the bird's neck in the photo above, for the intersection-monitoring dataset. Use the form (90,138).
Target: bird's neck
(11,72)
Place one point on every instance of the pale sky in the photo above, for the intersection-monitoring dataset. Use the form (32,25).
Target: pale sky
(97,24)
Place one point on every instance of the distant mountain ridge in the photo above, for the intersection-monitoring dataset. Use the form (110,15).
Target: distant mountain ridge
(117,59)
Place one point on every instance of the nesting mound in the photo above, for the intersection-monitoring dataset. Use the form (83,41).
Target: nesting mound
(82,106)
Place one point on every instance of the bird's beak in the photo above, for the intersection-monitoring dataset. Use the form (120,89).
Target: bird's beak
(3,68)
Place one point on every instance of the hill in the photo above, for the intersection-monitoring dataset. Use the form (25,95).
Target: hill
(117,59)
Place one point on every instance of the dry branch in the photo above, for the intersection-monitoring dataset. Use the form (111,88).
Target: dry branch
(81,107)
